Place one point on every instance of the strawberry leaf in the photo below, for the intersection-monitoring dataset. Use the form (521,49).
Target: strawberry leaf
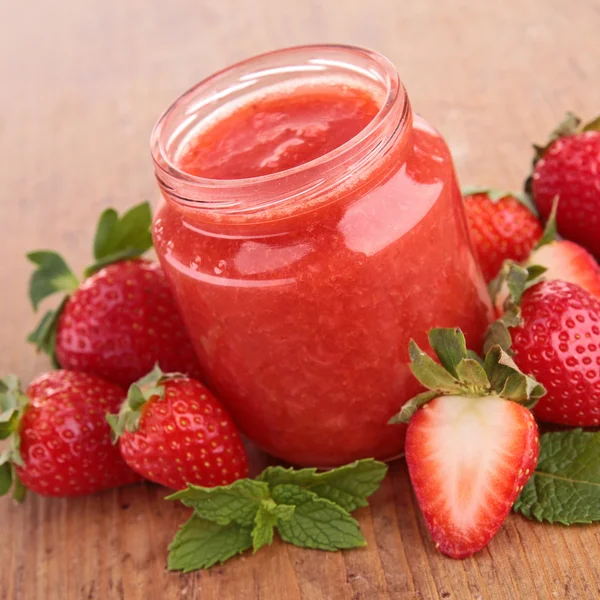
(550,234)
(471,373)
(428,372)
(5,478)
(121,238)
(412,406)
(508,381)
(316,522)
(565,486)
(593,125)
(450,347)
(43,337)
(52,275)
(200,544)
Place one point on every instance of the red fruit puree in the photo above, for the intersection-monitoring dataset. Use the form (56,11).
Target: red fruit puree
(312,227)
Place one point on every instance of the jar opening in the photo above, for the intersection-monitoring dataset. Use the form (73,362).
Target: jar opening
(280,73)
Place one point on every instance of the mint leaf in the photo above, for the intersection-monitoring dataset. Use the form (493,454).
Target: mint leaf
(52,275)
(200,544)
(120,238)
(348,486)
(565,486)
(237,502)
(316,522)
(264,524)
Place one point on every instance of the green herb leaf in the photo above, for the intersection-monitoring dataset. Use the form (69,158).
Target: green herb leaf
(450,346)
(237,502)
(412,406)
(348,486)
(565,487)
(52,275)
(316,522)
(200,544)
(121,238)
(264,528)
(432,375)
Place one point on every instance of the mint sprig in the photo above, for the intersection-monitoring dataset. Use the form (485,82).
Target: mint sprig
(201,543)
(565,486)
(307,508)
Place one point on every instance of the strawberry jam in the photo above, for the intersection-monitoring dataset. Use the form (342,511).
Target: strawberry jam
(312,227)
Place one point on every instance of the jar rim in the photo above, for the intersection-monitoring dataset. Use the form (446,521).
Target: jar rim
(381,69)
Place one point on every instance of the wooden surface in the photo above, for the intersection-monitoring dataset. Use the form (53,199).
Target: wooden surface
(82,84)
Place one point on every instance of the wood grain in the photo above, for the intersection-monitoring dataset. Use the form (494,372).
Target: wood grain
(83,83)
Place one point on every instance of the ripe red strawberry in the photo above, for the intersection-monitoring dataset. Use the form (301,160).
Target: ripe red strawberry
(471,443)
(558,342)
(123,318)
(502,227)
(568,167)
(60,443)
(173,431)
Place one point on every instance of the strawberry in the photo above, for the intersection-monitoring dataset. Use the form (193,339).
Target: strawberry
(553,330)
(123,318)
(568,167)
(471,443)
(173,431)
(502,226)
(59,441)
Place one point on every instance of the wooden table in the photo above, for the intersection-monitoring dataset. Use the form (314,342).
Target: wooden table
(83,83)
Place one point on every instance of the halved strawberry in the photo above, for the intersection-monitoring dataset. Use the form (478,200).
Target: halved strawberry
(471,443)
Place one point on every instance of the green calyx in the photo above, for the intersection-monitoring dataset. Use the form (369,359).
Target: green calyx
(117,238)
(550,233)
(496,195)
(151,386)
(517,280)
(570,125)
(461,372)
(13,403)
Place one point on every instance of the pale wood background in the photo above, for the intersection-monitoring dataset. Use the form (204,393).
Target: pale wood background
(81,85)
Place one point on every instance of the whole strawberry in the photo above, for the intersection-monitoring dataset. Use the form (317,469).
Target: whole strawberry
(172,430)
(568,167)
(502,227)
(553,330)
(59,441)
(471,443)
(123,318)
(558,342)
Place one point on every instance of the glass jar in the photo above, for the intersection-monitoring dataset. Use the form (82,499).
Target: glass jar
(302,288)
